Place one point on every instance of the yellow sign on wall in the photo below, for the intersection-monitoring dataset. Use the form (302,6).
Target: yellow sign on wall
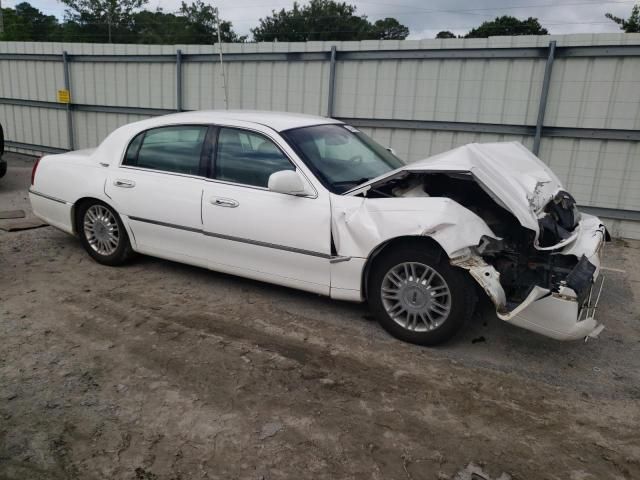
(64,96)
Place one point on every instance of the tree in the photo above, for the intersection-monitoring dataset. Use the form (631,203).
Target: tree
(445,34)
(159,28)
(389,29)
(507,25)
(630,25)
(202,24)
(324,20)
(26,23)
(102,18)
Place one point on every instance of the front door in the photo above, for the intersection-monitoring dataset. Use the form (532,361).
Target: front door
(258,233)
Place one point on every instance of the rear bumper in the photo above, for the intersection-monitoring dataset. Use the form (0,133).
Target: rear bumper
(54,211)
(569,314)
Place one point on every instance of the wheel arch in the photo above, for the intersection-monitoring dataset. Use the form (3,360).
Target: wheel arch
(76,206)
(427,242)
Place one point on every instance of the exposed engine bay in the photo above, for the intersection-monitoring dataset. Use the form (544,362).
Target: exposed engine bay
(523,261)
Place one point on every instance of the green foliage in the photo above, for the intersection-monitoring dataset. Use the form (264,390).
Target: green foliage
(26,23)
(631,24)
(108,20)
(507,25)
(119,21)
(389,29)
(325,20)
(445,34)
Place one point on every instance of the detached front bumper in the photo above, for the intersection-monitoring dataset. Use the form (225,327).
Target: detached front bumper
(569,314)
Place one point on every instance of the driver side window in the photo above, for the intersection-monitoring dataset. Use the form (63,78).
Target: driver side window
(247,158)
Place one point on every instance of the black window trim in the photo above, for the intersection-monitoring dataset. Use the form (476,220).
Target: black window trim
(202,173)
(211,140)
(214,158)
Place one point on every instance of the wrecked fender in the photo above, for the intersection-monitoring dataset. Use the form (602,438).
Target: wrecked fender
(360,225)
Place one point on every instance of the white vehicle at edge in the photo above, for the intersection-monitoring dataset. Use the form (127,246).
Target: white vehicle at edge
(311,203)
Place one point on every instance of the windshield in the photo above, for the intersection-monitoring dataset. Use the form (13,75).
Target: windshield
(341,156)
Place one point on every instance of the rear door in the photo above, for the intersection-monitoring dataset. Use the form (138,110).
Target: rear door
(158,189)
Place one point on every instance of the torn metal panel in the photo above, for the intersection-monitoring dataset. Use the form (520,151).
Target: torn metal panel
(486,276)
(359,225)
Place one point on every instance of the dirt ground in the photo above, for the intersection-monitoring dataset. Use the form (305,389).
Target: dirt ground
(158,370)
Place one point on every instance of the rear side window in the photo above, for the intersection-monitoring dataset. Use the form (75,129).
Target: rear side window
(248,158)
(175,149)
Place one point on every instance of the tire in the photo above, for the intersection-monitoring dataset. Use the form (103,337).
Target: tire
(102,233)
(438,309)
(3,168)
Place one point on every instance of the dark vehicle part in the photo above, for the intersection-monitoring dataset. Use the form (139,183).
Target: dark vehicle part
(3,163)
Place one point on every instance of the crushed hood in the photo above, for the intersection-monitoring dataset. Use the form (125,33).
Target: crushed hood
(510,173)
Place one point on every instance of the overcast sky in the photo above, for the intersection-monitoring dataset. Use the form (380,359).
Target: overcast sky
(424,18)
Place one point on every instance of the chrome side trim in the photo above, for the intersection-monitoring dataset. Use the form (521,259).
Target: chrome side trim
(49,197)
(332,259)
(268,245)
(164,224)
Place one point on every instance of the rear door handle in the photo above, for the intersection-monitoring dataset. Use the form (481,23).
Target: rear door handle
(224,202)
(123,183)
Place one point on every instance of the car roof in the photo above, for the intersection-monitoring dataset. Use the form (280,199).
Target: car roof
(278,121)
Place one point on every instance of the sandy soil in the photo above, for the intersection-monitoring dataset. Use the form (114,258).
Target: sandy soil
(162,371)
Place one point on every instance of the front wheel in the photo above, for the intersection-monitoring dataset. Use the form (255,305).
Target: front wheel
(102,233)
(418,297)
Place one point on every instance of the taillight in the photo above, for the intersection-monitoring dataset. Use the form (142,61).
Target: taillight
(33,170)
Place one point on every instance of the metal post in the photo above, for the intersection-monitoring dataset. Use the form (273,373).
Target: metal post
(67,86)
(543,97)
(224,76)
(332,81)
(179,80)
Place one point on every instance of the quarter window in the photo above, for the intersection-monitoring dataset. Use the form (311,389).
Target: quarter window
(248,158)
(175,149)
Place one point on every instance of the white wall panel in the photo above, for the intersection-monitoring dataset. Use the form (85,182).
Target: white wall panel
(38,126)
(602,92)
(92,128)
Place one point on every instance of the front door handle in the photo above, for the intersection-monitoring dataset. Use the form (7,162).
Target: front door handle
(224,202)
(123,183)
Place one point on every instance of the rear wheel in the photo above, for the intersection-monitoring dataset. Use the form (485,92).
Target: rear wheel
(418,297)
(102,233)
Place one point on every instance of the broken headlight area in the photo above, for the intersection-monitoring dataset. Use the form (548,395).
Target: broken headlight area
(559,220)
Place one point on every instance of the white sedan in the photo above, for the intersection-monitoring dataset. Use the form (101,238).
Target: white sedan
(314,204)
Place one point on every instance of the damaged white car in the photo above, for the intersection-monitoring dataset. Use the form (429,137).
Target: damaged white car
(314,204)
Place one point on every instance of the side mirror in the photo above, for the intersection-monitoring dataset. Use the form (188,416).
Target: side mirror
(288,182)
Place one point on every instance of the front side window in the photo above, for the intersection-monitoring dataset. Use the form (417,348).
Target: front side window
(247,158)
(341,156)
(176,149)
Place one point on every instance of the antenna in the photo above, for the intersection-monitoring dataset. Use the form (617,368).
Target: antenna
(224,76)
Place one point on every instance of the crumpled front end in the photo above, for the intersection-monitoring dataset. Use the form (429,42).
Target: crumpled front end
(561,302)
(540,262)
